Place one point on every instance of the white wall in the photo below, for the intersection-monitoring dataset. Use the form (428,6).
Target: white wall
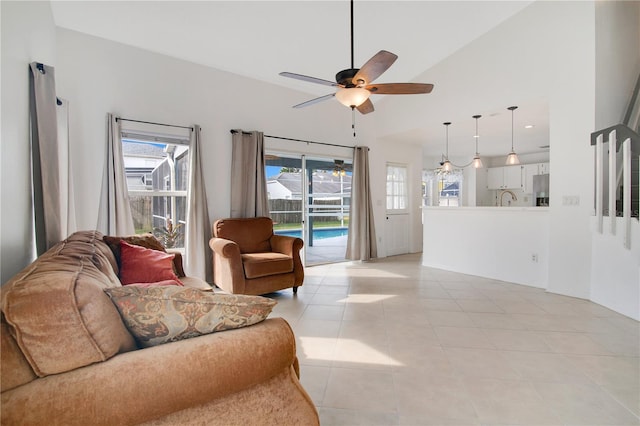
(617,58)
(615,271)
(546,41)
(100,76)
(28,34)
(572,119)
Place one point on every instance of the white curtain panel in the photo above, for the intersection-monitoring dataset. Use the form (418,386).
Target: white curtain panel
(67,197)
(361,242)
(198,260)
(115,211)
(45,166)
(248,181)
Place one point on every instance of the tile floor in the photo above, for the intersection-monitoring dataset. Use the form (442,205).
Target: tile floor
(394,343)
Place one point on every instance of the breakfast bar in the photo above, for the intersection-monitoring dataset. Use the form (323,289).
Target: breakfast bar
(504,243)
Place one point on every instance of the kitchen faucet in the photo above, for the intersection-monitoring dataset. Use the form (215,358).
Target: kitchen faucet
(513,196)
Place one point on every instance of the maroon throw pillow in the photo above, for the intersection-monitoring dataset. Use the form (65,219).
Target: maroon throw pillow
(143,265)
(159,283)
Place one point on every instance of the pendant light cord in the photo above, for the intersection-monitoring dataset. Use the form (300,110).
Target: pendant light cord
(477,135)
(446,126)
(512,130)
(512,108)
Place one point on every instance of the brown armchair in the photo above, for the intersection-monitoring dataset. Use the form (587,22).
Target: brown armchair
(249,259)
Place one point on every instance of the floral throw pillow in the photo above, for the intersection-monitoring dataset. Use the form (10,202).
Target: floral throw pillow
(157,315)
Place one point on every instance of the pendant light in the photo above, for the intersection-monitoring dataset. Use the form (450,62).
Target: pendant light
(512,158)
(477,162)
(446,164)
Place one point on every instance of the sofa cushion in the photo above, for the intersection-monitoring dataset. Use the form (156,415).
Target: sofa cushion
(58,313)
(89,245)
(157,315)
(143,265)
(14,368)
(251,234)
(258,265)
(195,282)
(147,240)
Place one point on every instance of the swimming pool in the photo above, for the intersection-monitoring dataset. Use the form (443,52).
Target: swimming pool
(318,233)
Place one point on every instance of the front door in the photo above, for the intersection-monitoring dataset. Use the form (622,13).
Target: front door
(396,227)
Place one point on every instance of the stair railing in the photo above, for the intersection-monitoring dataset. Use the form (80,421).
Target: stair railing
(630,146)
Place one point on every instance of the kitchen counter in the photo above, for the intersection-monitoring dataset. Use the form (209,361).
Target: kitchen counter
(494,208)
(504,243)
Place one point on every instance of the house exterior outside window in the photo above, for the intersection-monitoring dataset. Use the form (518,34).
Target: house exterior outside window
(157,174)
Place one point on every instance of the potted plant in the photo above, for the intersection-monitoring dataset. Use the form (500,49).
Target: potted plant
(169,235)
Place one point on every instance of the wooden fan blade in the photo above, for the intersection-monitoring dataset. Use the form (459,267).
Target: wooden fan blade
(315,100)
(309,79)
(379,63)
(366,107)
(399,88)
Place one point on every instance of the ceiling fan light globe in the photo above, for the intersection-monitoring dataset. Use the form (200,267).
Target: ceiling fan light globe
(352,96)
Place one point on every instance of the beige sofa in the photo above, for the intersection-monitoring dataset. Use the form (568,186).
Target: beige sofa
(68,359)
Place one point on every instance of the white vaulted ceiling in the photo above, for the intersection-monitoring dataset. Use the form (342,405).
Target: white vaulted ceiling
(259,39)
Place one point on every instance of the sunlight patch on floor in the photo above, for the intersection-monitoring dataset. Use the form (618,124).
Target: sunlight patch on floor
(346,350)
(366,298)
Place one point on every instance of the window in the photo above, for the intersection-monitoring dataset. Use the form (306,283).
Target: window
(397,193)
(157,171)
(449,186)
(442,189)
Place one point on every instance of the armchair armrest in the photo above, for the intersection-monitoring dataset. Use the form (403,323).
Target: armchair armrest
(228,272)
(224,248)
(290,246)
(286,245)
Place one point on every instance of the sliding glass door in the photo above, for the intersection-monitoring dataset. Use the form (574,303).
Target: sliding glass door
(309,197)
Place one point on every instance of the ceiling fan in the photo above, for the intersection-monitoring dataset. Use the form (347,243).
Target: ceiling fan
(355,84)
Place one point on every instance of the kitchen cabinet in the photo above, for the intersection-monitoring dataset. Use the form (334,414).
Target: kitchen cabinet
(543,168)
(531,170)
(506,177)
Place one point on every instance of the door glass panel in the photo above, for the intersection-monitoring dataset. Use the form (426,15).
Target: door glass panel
(285,194)
(309,198)
(328,201)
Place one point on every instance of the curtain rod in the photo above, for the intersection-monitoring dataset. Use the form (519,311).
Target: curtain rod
(151,122)
(298,140)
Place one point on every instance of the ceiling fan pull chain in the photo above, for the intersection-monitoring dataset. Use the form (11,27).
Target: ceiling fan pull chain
(353,120)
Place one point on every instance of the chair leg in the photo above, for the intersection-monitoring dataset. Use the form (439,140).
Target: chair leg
(295,290)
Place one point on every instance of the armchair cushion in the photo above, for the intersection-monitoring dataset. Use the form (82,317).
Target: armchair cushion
(252,234)
(258,265)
